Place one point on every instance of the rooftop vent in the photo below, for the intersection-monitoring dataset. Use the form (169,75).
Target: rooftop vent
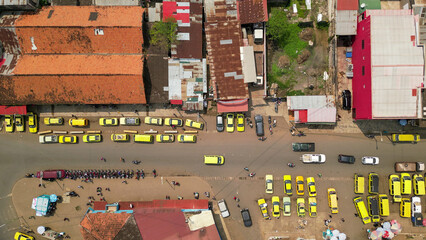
(99,31)
(93,16)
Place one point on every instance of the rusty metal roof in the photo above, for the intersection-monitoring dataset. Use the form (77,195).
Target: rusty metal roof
(223,47)
(252,11)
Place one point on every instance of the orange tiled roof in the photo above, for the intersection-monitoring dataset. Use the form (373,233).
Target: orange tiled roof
(80,40)
(103,226)
(78,16)
(79,64)
(72,89)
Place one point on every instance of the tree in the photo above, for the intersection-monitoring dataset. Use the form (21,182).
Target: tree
(163,34)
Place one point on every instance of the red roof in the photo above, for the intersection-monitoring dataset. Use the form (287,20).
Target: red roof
(303,116)
(176,10)
(232,106)
(10,110)
(103,225)
(347,4)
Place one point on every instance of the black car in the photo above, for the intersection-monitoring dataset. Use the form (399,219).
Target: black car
(258,121)
(219,123)
(246,217)
(303,147)
(346,159)
(346,100)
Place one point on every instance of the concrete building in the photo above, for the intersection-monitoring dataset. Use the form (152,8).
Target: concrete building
(346,17)
(312,109)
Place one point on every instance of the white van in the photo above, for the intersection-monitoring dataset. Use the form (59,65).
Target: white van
(223,209)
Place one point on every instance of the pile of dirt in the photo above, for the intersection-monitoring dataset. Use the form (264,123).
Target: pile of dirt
(284,61)
(306,34)
(303,56)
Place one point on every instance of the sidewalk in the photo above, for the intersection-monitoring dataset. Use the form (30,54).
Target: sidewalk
(74,208)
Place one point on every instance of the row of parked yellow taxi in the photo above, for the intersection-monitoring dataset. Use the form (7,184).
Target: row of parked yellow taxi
(300,201)
(378,204)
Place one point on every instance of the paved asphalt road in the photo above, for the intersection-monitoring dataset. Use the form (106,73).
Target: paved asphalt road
(21,153)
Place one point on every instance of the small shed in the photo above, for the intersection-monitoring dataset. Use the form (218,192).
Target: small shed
(312,109)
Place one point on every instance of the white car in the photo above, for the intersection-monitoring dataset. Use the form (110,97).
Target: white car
(370,160)
(313,158)
(48,139)
(416,206)
(223,208)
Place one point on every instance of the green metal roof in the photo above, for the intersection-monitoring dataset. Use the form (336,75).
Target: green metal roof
(369,4)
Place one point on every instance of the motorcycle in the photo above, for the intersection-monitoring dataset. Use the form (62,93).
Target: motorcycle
(252,174)
(269,120)
(292,165)
(262,138)
(301,134)
(196,195)
(136,162)
(274,123)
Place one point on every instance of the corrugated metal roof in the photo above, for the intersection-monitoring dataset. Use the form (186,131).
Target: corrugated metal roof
(187,82)
(252,11)
(224,59)
(308,102)
(249,68)
(78,16)
(347,5)
(346,22)
(13,2)
(397,66)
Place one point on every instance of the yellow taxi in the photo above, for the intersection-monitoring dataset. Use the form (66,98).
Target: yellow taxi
(32,122)
(419,185)
(359,183)
(240,122)
(301,210)
(310,183)
(19,123)
(276,206)
(263,208)
(362,210)
(383,205)
(78,122)
(121,137)
(91,138)
(177,122)
(269,184)
(21,236)
(312,207)
(395,187)
(405,208)
(332,200)
(67,139)
(154,121)
(108,121)
(214,160)
(165,138)
(413,138)
(53,121)
(9,123)
(405,184)
(194,124)
(187,138)
(230,122)
(300,185)
(287,185)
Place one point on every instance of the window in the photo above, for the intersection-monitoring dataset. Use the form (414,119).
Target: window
(363,70)
(362,44)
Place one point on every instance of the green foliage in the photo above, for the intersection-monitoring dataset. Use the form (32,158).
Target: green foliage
(44,3)
(323,25)
(295,93)
(163,34)
(285,34)
(302,13)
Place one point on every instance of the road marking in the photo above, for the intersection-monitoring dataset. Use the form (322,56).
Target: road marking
(3,225)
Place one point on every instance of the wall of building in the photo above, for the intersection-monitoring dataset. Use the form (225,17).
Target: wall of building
(361,82)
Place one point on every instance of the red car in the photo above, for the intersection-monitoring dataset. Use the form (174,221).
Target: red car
(51,174)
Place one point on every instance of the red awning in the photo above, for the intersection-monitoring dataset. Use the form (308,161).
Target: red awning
(176,102)
(240,105)
(9,110)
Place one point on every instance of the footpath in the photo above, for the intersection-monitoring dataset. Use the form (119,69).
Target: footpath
(70,210)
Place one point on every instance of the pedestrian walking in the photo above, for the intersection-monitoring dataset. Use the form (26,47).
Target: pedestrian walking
(39,185)
(107,189)
(154,172)
(31,217)
(330,216)
(235,198)
(124,182)
(66,219)
(319,175)
(238,200)
(343,220)
(238,205)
